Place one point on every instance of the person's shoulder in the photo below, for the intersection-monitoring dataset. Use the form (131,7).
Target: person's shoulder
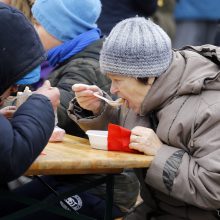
(89,55)
(93,49)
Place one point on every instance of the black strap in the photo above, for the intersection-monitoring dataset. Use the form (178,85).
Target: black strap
(217,213)
(209,53)
(153,120)
(145,190)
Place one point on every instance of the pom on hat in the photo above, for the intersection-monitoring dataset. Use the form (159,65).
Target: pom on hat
(136,47)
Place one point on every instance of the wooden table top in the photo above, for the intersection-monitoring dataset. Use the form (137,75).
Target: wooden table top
(75,156)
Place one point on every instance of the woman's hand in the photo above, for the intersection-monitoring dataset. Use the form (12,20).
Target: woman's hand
(144,140)
(86,99)
(8,111)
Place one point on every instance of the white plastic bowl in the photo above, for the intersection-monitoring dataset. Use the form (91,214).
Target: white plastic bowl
(98,139)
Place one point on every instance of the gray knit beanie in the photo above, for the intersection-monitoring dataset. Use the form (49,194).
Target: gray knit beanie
(136,47)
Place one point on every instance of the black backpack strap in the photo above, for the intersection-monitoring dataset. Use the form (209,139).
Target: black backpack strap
(153,120)
(209,51)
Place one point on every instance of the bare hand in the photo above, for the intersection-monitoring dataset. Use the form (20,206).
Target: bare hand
(8,111)
(144,140)
(85,97)
(51,93)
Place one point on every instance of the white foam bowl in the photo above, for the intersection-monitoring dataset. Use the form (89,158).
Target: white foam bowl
(98,139)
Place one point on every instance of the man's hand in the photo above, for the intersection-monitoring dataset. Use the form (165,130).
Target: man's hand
(51,93)
(144,140)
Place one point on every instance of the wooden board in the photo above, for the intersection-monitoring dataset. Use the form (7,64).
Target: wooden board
(75,156)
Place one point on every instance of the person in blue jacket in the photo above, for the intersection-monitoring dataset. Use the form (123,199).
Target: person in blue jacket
(196,22)
(24,136)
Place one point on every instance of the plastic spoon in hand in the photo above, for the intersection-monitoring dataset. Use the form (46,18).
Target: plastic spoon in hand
(115,103)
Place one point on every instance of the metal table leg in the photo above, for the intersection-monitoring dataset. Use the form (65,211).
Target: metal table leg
(109,196)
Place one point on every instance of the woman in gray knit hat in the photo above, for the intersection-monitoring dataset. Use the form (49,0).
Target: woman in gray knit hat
(171,104)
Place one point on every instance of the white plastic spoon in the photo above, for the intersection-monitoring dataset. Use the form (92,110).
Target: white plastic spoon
(115,103)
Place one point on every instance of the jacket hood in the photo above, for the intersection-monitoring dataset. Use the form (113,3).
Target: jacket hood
(189,73)
(20,47)
(202,70)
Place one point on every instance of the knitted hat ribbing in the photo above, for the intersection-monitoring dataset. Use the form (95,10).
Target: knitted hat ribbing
(136,47)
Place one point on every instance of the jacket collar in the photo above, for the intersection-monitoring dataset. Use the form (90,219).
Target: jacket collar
(189,73)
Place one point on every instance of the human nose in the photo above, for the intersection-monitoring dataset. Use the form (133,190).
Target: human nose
(113,89)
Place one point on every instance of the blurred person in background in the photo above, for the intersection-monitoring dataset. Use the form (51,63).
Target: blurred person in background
(164,16)
(72,49)
(6,1)
(22,5)
(217,37)
(196,22)
(116,10)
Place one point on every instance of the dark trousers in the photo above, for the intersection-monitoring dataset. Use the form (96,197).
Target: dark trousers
(84,203)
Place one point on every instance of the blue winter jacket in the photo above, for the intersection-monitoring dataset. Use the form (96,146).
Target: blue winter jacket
(24,137)
(197,10)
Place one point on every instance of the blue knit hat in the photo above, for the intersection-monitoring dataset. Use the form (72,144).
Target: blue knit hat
(65,19)
(136,47)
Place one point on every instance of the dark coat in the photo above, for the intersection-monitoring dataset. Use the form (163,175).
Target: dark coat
(24,137)
(114,11)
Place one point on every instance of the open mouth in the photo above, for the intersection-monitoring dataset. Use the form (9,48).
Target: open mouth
(125,102)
